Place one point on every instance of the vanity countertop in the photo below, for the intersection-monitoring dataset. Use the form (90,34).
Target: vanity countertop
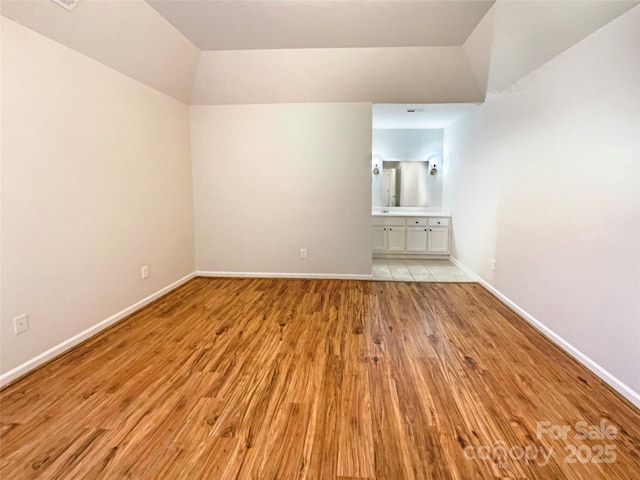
(411,212)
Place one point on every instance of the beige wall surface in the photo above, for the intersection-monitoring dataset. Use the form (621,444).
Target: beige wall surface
(378,75)
(272,179)
(516,37)
(545,178)
(96,182)
(129,36)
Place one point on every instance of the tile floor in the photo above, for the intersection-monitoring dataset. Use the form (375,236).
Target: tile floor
(409,270)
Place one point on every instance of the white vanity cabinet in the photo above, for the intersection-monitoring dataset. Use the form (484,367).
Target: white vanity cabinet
(388,234)
(438,235)
(438,240)
(380,238)
(416,239)
(396,236)
(411,235)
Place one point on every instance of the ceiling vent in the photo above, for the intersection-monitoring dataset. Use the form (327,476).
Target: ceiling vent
(67,4)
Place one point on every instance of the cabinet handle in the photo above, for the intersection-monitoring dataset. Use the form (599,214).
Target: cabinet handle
(391,229)
(425,229)
(417,222)
(430,230)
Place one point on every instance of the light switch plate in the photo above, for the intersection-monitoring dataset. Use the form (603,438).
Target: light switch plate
(21,324)
(67,4)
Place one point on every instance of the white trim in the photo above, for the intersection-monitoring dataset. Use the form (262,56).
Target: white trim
(618,385)
(62,347)
(335,276)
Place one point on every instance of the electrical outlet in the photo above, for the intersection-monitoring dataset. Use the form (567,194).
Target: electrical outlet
(144,272)
(303,253)
(493,264)
(21,324)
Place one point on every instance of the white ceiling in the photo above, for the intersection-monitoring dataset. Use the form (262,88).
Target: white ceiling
(526,34)
(129,36)
(269,24)
(389,51)
(426,116)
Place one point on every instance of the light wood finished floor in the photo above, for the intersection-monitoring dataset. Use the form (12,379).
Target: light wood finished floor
(319,379)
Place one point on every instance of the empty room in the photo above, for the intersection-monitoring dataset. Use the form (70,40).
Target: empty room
(339,239)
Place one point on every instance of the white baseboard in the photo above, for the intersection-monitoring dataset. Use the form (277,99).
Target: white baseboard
(62,347)
(334,276)
(622,388)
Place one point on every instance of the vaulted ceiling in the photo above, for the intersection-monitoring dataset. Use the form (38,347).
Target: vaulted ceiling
(268,51)
(250,25)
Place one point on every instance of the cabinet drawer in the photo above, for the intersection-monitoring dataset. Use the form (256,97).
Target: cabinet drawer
(397,221)
(439,222)
(416,222)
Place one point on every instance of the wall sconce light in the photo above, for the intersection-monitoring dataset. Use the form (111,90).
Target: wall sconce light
(433,163)
(376,170)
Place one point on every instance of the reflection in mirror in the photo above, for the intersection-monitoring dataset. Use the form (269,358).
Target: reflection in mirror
(405,184)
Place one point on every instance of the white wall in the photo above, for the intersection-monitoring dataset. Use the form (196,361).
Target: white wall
(406,143)
(129,36)
(272,179)
(545,178)
(308,75)
(516,37)
(96,182)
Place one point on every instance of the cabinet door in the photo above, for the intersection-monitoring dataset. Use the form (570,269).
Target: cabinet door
(379,237)
(395,239)
(438,240)
(416,239)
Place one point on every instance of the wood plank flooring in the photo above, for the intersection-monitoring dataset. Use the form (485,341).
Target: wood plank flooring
(316,379)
